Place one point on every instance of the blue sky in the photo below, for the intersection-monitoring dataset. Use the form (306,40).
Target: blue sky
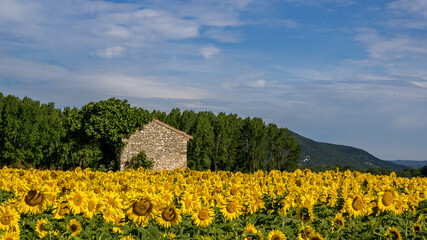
(338,71)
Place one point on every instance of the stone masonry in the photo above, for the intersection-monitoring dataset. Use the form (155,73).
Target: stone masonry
(164,144)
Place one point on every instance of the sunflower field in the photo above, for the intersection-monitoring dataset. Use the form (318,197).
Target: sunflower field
(188,204)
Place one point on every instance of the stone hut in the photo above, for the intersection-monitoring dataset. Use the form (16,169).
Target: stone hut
(167,146)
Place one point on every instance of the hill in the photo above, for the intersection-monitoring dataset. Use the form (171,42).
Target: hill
(410,163)
(318,153)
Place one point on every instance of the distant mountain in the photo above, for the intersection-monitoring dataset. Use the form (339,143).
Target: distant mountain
(317,154)
(410,163)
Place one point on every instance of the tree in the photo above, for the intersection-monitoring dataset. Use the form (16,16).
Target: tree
(252,145)
(104,124)
(159,115)
(140,160)
(173,118)
(188,120)
(30,133)
(290,152)
(424,171)
(227,130)
(201,146)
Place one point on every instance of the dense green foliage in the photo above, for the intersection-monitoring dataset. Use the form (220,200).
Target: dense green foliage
(140,160)
(30,133)
(41,136)
(230,143)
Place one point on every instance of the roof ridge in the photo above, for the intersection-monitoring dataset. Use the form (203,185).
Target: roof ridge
(172,128)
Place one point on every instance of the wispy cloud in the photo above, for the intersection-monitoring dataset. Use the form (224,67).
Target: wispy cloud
(139,87)
(395,47)
(258,83)
(111,52)
(417,7)
(209,52)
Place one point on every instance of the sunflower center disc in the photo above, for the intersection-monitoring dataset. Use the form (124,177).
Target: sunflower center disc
(91,206)
(6,219)
(231,207)
(168,214)
(387,199)
(276,237)
(77,200)
(73,227)
(142,207)
(203,214)
(33,198)
(357,204)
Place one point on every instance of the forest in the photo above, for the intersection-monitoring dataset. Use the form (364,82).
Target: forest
(39,135)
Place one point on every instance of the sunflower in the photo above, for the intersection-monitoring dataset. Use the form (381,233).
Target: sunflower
(234,190)
(9,236)
(251,229)
(338,221)
(109,214)
(231,209)
(305,214)
(169,216)
(276,235)
(76,201)
(386,201)
(75,227)
(32,201)
(119,220)
(9,217)
(285,206)
(41,227)
(203,216)
(416,228)
(167,236)
(255,204)
(113,199)
(188,203)
(91,205)
(400,205)
(140,211)
(356,205)
(306,233)
(316,236)
(393,233)
(61,209)
(127,238)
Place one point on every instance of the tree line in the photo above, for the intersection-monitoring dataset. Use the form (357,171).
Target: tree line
(42,136)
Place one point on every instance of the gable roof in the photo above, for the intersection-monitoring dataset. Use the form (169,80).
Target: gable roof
(172,128)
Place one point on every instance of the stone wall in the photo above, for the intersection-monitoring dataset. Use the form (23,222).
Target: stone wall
(164,144)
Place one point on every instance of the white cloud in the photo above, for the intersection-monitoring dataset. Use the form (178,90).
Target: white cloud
(420,84)
(418,7)
(36,75)
(16,11)
(119,31)
(408,14)
(139,86)
(209,52)
(258,83)
(388,48)
(111,52)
